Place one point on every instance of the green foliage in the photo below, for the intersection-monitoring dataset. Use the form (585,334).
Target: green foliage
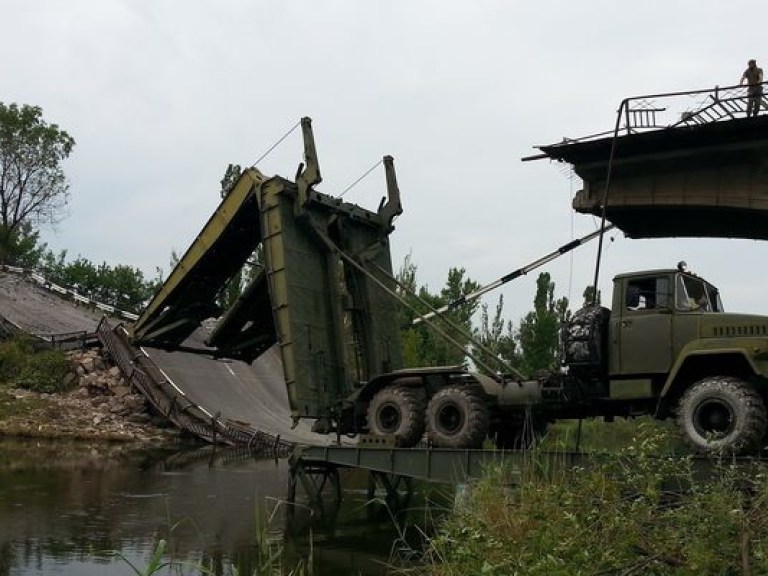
(596,435)
(422,345)
(230,178)
(33,187)
(534,346)
(44,372)
(590,298)
(539,330)
(498,336)
(637,512)
(156,563)
(121,286)
(24,364)
(20,246)
(14,354)
(268,559)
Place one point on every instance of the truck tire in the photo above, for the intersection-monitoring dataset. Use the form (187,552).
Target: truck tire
(458,417)
(397,411)
(722,414)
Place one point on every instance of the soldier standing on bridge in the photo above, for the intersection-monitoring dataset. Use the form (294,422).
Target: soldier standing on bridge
(754,77)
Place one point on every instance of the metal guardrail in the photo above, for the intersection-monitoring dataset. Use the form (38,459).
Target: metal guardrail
(172,403)
(211,454)
(43,282)
(679,109)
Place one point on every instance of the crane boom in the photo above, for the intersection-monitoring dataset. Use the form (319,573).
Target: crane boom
(565,248)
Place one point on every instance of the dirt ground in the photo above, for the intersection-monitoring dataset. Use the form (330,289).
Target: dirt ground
(70,416)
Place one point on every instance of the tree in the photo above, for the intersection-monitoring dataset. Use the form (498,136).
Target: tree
(21,246)
(589,296)
(230,178)
(539,332)
(497,336)
(33,188)
(422,345)
(123,287)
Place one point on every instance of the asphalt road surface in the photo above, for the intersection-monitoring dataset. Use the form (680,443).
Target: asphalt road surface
(37,311)
(232,390)
(252,394)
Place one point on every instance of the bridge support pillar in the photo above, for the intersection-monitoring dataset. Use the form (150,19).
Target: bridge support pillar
(397,489)
(317,479)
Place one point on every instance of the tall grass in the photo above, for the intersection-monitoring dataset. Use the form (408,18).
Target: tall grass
(24,364)
(267,556)
(634,512)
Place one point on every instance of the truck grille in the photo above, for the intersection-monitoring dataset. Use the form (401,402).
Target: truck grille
(741,330)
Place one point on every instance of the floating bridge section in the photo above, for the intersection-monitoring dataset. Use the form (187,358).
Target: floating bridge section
(702,173)
(319,272)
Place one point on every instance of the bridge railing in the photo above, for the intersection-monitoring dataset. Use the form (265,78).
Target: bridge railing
(679,109)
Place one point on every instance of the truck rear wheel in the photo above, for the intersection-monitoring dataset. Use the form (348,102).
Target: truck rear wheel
(458,417)
(722,414)
(397,411)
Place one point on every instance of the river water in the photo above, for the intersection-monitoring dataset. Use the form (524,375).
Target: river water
(89,510)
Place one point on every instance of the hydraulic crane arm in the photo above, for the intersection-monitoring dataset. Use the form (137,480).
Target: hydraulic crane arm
(564,249)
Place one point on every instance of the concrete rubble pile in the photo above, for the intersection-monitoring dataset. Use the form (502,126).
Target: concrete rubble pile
(106,388)
(102,404)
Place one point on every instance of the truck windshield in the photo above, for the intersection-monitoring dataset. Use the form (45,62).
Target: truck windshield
(696,295)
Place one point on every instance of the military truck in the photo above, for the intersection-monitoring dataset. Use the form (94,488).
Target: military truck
(666,348)
(325,294)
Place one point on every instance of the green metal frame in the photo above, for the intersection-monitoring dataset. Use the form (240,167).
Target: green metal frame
(321,294)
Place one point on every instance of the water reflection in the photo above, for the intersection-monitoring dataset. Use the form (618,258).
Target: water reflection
(65,508)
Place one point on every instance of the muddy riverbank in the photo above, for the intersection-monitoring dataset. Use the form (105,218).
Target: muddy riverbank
(97,403)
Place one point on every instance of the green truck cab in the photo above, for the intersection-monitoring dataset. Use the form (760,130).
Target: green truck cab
(668,348)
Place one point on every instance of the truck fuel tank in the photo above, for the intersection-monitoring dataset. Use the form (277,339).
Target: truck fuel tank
(525,393)
(512,392)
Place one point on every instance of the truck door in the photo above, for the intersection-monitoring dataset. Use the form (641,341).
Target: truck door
(644,327)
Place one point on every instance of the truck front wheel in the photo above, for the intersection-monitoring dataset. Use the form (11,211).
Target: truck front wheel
(397,411)
(458,417)
(722,414)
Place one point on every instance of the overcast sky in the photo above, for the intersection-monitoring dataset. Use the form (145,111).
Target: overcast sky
(161,95)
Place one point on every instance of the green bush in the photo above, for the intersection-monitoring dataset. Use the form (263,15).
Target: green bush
(44,372)
(633,512)
(24,366)
(14,355)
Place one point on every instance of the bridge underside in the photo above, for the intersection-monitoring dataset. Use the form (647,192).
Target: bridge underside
(706,180)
